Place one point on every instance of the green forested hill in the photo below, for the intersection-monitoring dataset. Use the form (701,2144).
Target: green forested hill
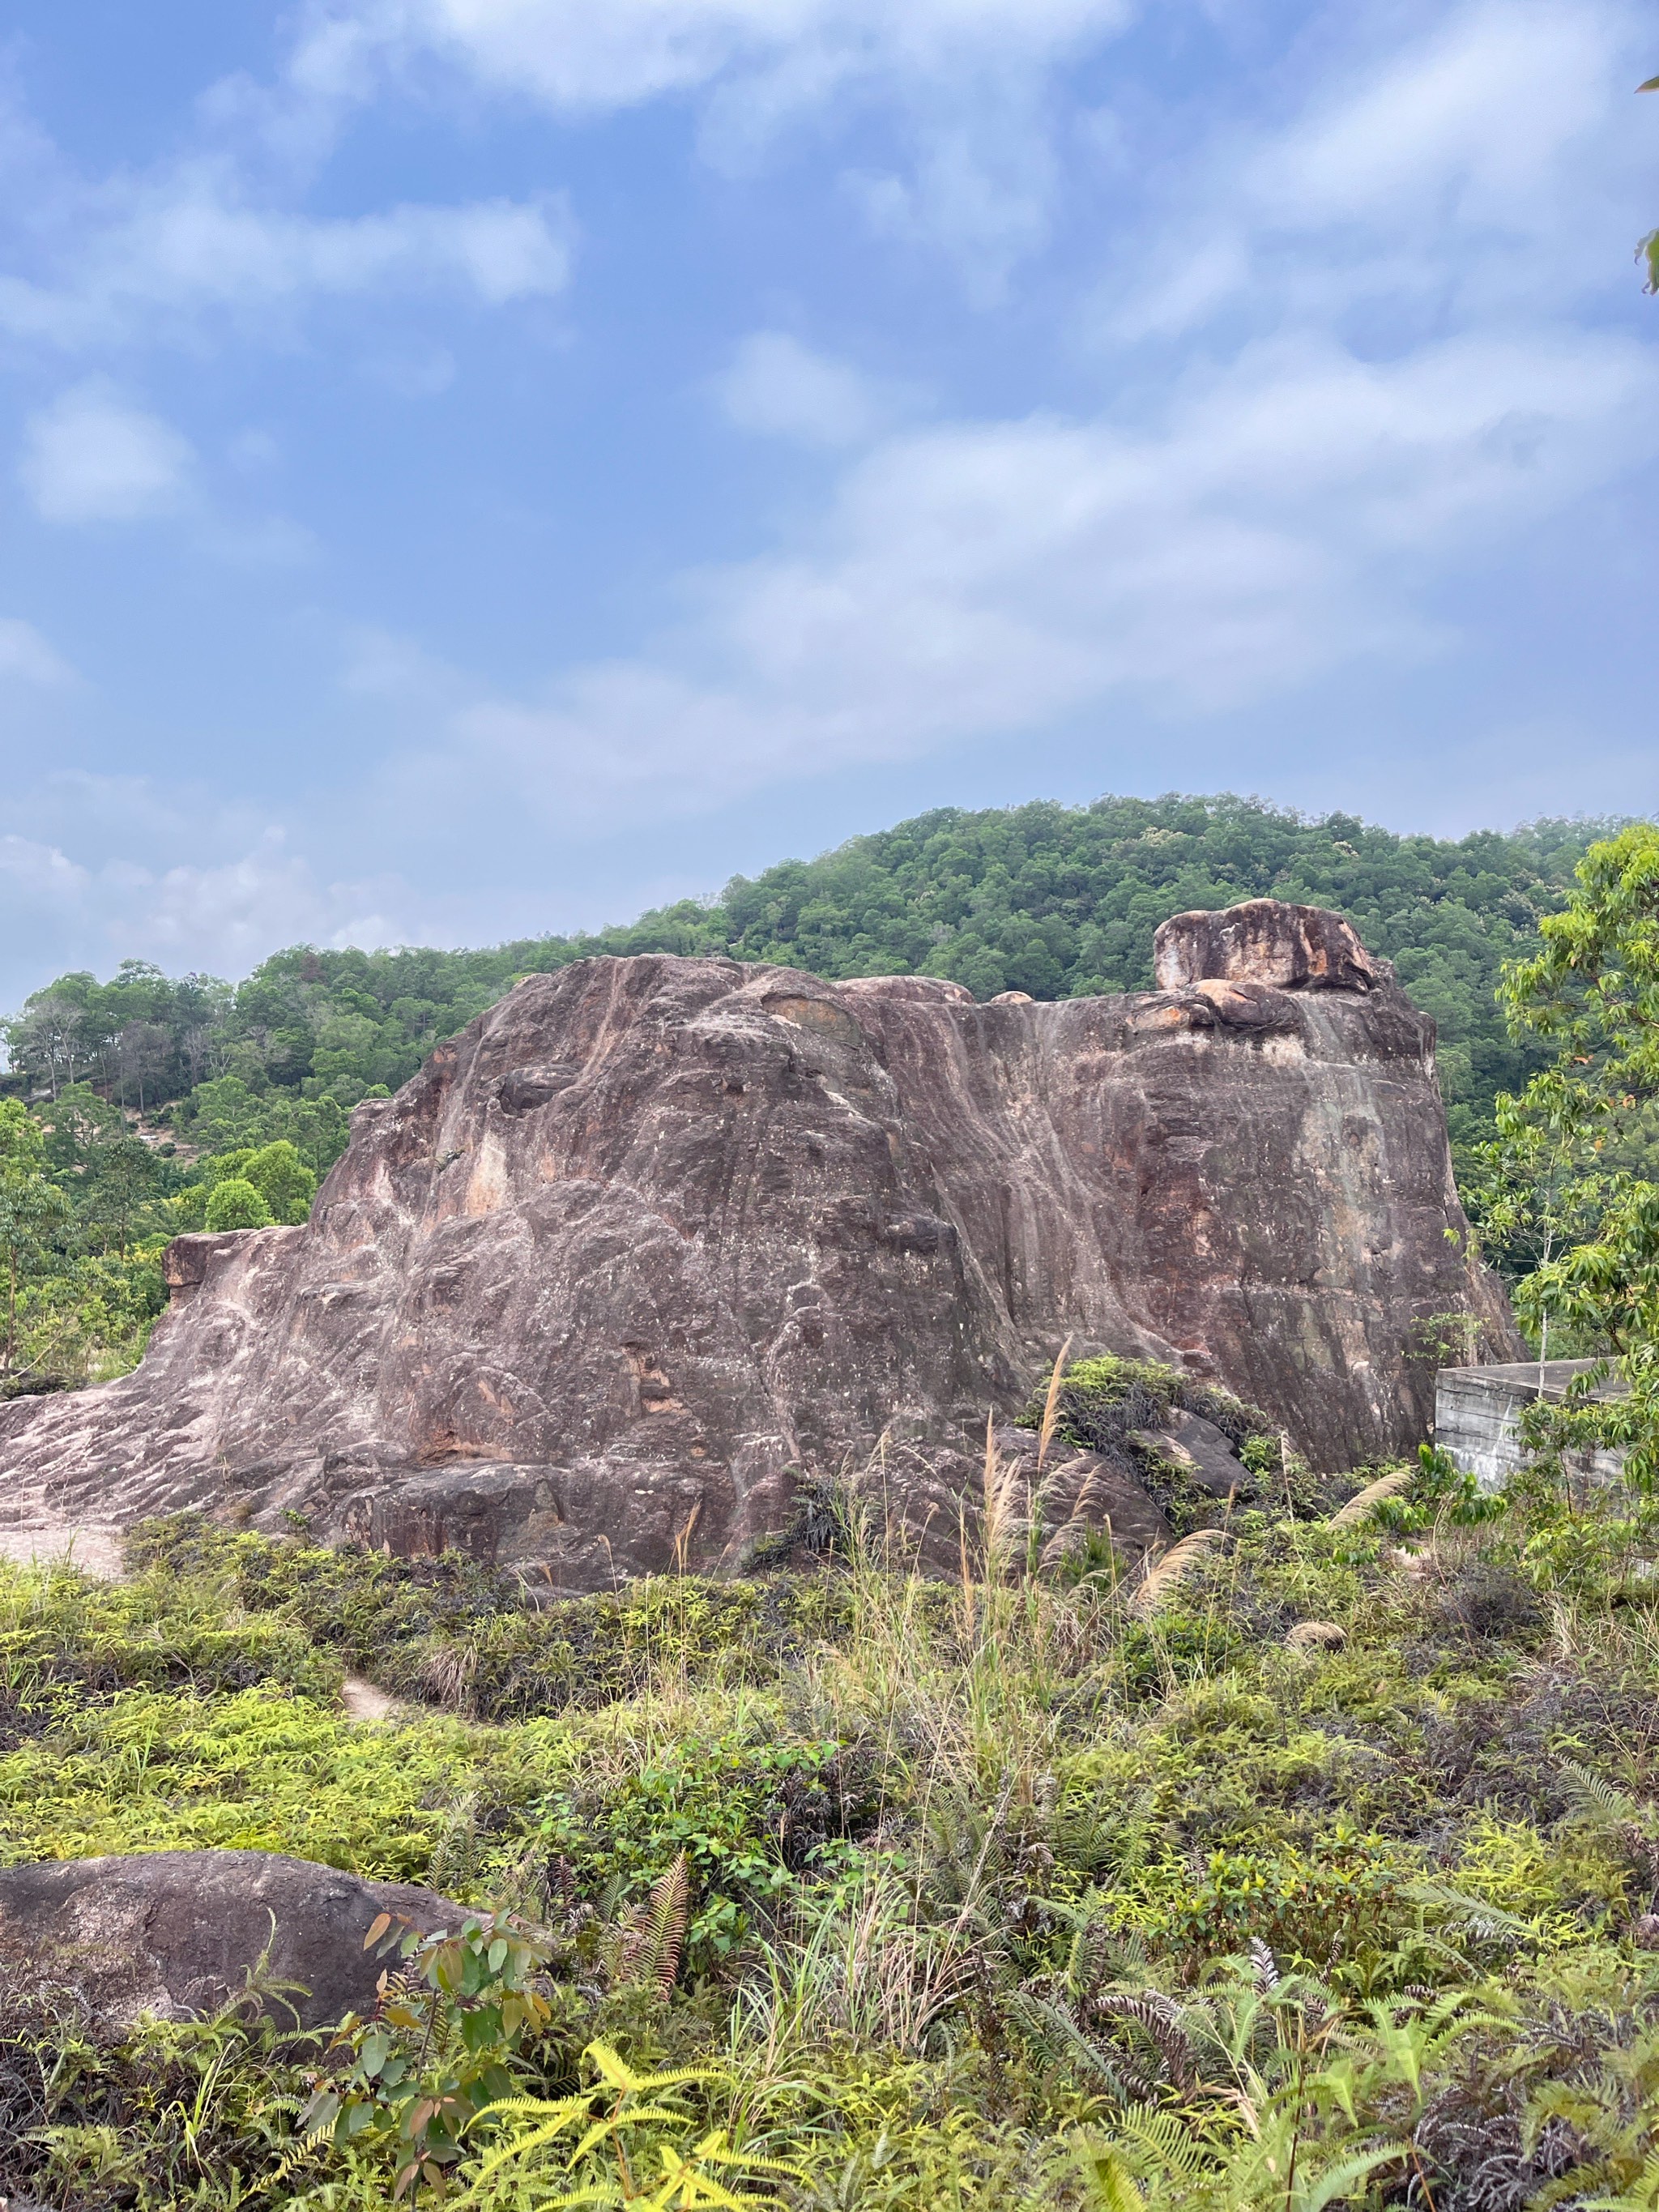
(1063,901)
(1054,900)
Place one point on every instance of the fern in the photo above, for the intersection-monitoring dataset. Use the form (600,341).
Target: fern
(653,1934)
(1341,2180)
(1053,2035)
(1266,1966)
(1160,2021)
(1166,2142)
(1488,1923)
(625,2099)
(1083,1835)
(1089,1958)
(1594,1793)
(1100,2165)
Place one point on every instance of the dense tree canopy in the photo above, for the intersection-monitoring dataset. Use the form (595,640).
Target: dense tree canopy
(1054,900)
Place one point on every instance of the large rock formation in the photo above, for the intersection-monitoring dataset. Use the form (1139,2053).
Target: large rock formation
(652,1235)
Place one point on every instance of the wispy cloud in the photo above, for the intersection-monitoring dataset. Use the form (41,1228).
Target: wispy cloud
(1355,341)
(1297,498)
(966,83)
(1281,519)
(91,457)
(153,258)
(1459,173)
(223,914)
(26,657)
(613,53)
(779,388)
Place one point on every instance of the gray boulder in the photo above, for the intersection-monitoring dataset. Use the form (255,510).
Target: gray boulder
(176,1933)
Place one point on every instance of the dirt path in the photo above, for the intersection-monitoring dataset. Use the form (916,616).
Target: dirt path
(93,1546)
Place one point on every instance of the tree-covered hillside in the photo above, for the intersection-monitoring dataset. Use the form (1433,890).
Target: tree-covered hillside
(1061,902)
(1054,900)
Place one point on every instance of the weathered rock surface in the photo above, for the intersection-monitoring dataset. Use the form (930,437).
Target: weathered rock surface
(176,1933)
(1289,948)
(653,1234)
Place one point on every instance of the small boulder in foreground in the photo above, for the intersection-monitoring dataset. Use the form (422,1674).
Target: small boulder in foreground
(176,1933)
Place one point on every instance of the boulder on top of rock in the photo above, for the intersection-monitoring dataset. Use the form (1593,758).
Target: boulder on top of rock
(1267,941)
(175,1934)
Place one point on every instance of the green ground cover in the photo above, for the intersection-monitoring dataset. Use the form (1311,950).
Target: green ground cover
(997,1893)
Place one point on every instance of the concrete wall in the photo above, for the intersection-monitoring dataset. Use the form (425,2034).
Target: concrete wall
(1477,1415)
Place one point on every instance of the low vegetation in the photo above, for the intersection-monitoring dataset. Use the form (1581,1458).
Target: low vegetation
(1329,1872)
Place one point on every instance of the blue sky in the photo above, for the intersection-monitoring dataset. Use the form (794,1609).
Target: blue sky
(474,467)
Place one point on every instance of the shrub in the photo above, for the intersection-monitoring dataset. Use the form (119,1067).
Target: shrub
(284,1181)
(236,1203)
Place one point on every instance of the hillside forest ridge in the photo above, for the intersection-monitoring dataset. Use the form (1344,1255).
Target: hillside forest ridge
(241,1091)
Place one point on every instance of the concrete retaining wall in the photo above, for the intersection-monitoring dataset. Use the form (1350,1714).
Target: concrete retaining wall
(1477,1415)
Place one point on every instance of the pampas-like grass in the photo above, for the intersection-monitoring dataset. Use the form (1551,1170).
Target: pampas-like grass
(1162,1578)
(1317,1636)
(1051,1405)
(1386,1485)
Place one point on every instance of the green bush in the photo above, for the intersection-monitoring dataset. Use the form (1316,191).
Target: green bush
(236,1203)
(284,1181)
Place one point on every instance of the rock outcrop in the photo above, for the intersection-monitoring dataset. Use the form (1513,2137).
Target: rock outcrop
(175,1934)
(652,1235)
(1288,948)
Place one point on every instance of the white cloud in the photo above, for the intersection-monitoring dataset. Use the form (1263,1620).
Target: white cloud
(90,456)
(26,657)
(779,388)
(39,873)
(1300,498)
(575,54)
(1466,170)
(966,80)
(1280,520)
(239,908)
(156,256)
(62,903)
(1489,97)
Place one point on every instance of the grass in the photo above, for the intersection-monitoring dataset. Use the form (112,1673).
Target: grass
(1010,1892)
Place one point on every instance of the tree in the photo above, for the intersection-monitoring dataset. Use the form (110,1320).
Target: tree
(54,1036)
(31,1205)
(75,1125)
(236,1203)
(284,1181)
(1594,991)
(1648,250)
(144,1057)
(121,1179)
